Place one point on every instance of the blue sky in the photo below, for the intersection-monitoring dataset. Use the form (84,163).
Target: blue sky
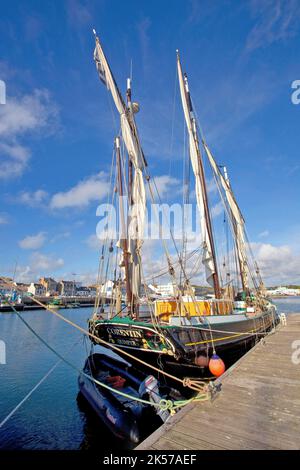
(57,127)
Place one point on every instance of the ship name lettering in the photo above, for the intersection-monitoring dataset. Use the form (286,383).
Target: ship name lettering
(130,333)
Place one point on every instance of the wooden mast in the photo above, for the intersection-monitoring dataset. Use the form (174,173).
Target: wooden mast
(136,158)
(215,275)
(134,306)
(123,238)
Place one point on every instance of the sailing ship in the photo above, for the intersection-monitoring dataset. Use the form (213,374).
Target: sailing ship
(183,330)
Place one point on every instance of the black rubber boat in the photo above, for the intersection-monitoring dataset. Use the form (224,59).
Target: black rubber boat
(122,415)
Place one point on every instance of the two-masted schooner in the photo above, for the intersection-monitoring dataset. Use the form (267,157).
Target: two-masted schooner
(184,329)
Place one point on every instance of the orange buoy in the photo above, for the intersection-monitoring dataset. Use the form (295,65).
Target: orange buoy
(201,361)
(216,365)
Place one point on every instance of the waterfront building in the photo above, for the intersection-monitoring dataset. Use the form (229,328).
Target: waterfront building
(36,289)
(281,290)
(50,285)
(93,290)
(84,292)
(21,286)
(107,288)
(5,289)
(67,288)
(165,290)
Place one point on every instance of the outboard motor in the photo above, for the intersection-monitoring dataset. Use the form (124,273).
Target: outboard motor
(150,386)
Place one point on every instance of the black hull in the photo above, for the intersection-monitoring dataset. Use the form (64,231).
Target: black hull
(229,353)
(178,348)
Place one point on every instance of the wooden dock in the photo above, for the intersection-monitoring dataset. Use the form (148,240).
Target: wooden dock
(258,407)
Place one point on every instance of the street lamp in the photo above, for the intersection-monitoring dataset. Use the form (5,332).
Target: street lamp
(73,274)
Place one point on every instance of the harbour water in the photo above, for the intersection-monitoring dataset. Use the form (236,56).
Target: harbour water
(287,304)
(52,418)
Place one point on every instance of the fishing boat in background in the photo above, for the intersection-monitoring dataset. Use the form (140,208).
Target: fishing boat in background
(11,299)
(56,304)
(5,306)
(73,305)
(182,330)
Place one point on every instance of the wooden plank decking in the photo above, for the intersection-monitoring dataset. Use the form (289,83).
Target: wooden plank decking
(258,407)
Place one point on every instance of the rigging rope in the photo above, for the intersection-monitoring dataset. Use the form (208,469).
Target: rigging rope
(163,404)
(191,385)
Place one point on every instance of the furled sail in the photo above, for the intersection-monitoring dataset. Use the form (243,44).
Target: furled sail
(207,258)
(131,140)
(238,220)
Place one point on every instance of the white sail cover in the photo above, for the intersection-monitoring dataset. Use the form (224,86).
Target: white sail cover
(207,258)
(238,218)
(138,209)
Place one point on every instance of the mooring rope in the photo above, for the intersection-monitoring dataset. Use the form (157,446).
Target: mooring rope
(163,404)
(191,384)
(29,393)
(15,409)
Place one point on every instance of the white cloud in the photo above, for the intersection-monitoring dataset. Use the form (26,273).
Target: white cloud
(32,199)
(86,278)
(14,159)
(278,264)
(20,117)
(154,261)
(33,242)
(165,185)
(264,234)
(276,20)
(78,13)
(143,32)
(3,219)
(94,242)
(46,263)
(211,186)
(28,113)
(217,209)
(60,236)
(39,265)
(94,188)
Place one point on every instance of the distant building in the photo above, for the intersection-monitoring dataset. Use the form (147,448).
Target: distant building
(165,290)
(93,291)
(67,288)
(21,286)
(107,288)
(5,289)
(50,285)
(84,292)
(284,291)
(36,289)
